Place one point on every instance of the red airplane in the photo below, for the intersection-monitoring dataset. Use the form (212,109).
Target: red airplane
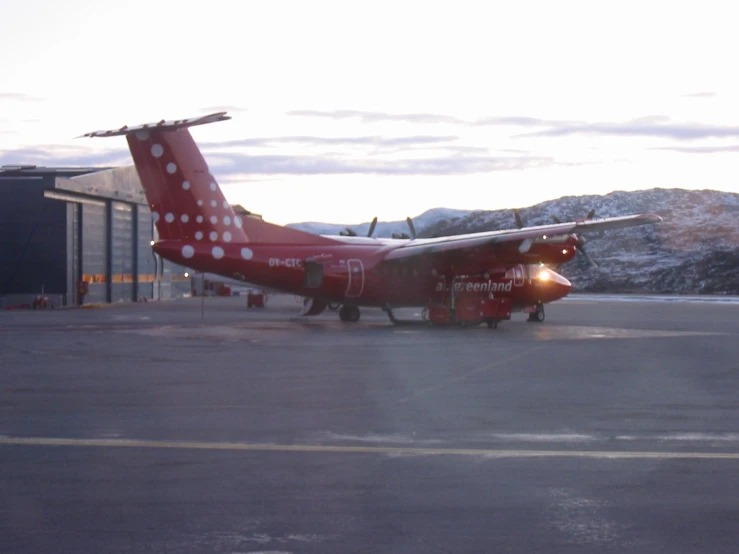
(465,279)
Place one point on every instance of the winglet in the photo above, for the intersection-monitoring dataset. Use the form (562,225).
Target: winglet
(161,125)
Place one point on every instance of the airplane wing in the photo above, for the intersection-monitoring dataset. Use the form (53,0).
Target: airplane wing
(488,238)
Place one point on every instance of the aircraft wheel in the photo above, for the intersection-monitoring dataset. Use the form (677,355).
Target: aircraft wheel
(538,316)
(492,324)
(333,306)
(349,313)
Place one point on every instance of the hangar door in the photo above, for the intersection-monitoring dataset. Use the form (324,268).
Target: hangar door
(94,250)
(122,268)
(147,263)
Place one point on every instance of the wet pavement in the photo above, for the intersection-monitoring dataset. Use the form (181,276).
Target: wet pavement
(611,427)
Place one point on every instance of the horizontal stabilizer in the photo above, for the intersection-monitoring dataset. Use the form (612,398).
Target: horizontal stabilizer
(161,125)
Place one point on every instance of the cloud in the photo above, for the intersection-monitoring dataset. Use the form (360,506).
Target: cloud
(652,126)
(701,95)
(64,156)
(426,118)
(316,165)
(659,126)
(19,97)
(332,141)
(374,117)
(215,109)
(227,164)
(521,121)
(700,149)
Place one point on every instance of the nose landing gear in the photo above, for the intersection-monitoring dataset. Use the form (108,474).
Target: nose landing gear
(538,315)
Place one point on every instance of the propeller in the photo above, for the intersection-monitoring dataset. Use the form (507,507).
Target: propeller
(411,228)
(588,217)
(581,239)
(519,221)
(581,249)
(372,227)
(348,232)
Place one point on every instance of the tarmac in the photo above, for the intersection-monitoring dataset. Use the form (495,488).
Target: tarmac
(188,426)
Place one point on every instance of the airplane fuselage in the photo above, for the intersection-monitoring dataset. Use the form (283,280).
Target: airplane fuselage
(358,273)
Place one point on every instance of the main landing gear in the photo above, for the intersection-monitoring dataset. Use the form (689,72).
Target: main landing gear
(391,316)
(349,313)
(537,316)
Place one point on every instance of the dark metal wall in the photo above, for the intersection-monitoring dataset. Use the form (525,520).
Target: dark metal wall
(74,250)
(32,239)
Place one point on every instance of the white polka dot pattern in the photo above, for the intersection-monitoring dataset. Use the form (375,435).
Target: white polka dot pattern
(185,201)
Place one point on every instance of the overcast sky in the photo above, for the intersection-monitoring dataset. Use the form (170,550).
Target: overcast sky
(347,110)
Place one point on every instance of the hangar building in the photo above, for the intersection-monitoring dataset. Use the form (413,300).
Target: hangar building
(79,235)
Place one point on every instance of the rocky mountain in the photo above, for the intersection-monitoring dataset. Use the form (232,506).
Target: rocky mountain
(694,251)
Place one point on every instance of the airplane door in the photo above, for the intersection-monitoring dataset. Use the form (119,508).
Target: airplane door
(356,278)
(518,275)
(313,277)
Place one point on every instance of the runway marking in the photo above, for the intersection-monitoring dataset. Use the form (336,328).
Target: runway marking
(338,449)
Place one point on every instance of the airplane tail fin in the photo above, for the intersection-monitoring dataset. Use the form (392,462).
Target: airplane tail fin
(185,199)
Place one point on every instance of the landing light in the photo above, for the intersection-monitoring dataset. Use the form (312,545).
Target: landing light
(544,275)
(564,251)
(544,237)
(151,243)
(186,274)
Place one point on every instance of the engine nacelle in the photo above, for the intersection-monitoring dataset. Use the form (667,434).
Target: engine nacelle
(554,250)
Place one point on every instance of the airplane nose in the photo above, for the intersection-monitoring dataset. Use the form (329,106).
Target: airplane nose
(562,286)
(552,285)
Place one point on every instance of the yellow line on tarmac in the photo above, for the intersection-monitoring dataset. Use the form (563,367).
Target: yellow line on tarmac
(339,449)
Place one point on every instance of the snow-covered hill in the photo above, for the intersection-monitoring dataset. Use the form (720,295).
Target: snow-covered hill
(695,249)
